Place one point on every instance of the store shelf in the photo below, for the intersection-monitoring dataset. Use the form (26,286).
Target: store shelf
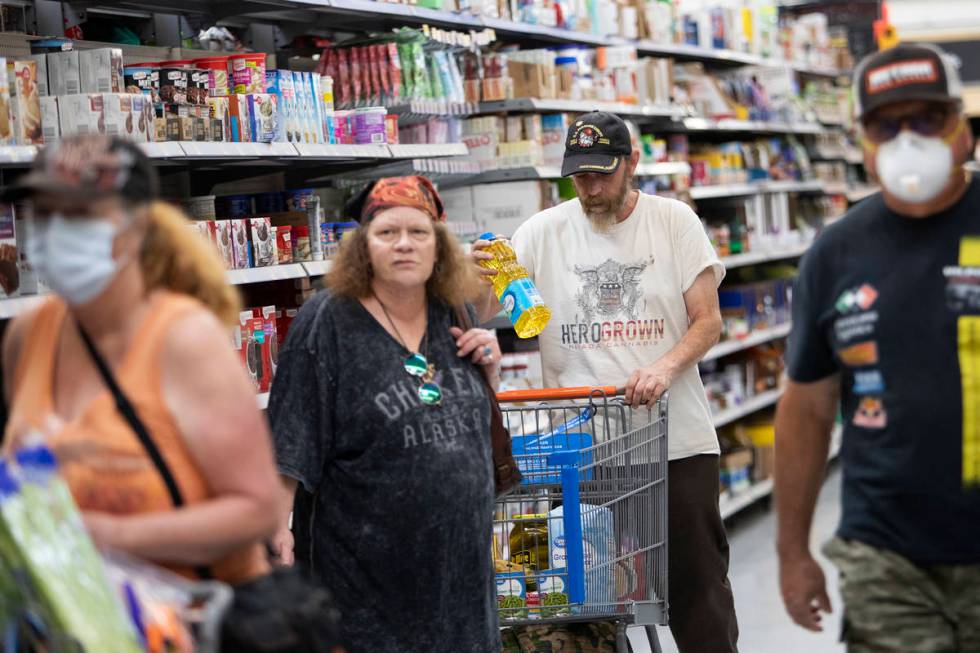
(202,150)
(578,106)
(858,193)
(764,256)
(730,347)
(17,153)
(263,399)
(663,168)
(747,407)
(427,150)
(271,273)
(730,506)
(167,150)
(13,307)
(735,190)
(727,125)
(317,268)
(546,172)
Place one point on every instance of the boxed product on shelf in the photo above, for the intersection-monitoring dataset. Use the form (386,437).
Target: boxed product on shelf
(25,103)
(247,72)
(263,242)
(219,113)
(125,114)
(42,73)
(101,71)
(760,432)
(50,122)
(224,241)
(264,113)
(270,350)
(142,79)
(736,477)
(6,126)
(241,247)
(64,75)
(253,348)
(10,285)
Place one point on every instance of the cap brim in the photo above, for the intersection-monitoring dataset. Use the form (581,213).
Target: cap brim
(603,164)
(34,183)
(911,97)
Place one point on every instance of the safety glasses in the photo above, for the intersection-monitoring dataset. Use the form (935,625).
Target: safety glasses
(929,121)
(429,392)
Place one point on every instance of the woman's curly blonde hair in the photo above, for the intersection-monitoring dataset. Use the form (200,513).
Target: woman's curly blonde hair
(454,279)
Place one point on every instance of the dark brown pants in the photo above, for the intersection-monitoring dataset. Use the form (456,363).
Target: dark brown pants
(702,610)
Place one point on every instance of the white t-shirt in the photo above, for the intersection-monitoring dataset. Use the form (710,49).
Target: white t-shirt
(617,302)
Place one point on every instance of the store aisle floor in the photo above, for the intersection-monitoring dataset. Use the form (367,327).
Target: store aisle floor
(764,625)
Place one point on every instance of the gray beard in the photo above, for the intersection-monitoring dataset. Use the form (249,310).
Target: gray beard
(602,221)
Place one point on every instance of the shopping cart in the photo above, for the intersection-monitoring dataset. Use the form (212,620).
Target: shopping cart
(584,536)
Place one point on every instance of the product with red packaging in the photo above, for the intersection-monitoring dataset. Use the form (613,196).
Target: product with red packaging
(271,351)
(241,247)
(284,319)
(284,244)
(253,346)
(374,68)
(345,93)
(248,72)
(263,242)
(356,76)
(395,70)
(217,68)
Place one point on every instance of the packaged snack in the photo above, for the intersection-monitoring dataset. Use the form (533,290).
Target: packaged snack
(139,79)
(253,345)
(6,126)
(217,68)
(263,109)
(284,319)
(25,102)
(118,116)
(262,242)
(345,92)
(369,126)
(9,270)
(550,599)
(223,241)
(220,116)
(101,70)
(271,351)
(381,61)
(599,550)
(42,73)
(326,89)
(241,248)
(395,72)
(64,76)
(50,127)
(241,122)
(301,244)
(284,244)
(248,72)
(374,68)
(512,595)
(356,76)
(174,83)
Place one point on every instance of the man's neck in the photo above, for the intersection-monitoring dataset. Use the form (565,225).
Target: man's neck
(945,200)
(631,201)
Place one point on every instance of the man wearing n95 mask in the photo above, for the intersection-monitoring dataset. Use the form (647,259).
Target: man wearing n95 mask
(886,327)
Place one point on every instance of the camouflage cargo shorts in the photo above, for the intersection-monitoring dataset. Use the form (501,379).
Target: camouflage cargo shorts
(894,606)
(564,638)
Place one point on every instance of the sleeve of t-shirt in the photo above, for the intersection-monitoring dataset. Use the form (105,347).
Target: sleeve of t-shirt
(694,249)
(300,400)
(809,356)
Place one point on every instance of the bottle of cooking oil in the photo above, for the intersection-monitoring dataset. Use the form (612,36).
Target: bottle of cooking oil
(517,293)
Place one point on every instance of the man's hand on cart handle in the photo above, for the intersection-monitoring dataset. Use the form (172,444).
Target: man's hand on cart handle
(804,590)
(647,384)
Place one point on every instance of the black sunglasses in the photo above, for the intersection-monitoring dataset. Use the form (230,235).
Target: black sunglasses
(929,121)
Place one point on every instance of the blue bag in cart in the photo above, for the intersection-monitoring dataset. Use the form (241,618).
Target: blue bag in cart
(598,547)
(531,451)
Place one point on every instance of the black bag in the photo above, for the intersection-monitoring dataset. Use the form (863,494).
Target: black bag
(281,612)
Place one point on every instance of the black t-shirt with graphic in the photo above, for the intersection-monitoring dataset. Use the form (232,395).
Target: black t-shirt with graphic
(893,304)
(395,505)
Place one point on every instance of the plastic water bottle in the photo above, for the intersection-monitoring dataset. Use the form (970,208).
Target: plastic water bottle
(517,293)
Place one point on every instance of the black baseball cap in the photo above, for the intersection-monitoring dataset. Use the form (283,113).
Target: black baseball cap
(595,143)
(908,71)
(86,167)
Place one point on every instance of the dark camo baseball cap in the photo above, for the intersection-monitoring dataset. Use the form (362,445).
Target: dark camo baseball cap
(908,71)
(89,167)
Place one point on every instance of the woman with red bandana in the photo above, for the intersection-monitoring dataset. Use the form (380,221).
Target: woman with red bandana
(382,433)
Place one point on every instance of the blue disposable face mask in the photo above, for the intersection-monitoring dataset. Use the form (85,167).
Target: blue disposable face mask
(73,255)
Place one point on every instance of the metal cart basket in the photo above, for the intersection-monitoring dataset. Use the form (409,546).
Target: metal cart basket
(584,537)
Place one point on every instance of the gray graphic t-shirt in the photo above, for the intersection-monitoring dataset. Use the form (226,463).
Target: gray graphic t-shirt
(394,508)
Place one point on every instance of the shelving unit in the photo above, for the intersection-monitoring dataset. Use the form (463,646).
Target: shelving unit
(730,347)
(755,188)
(270,273)
(763,256)
(747,407)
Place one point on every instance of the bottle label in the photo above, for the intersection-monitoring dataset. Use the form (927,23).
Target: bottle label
(520,296)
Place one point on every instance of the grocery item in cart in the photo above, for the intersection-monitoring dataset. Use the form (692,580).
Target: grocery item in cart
(532,451)
(512,595)
(513,287)
(550,597)
(529,542)
(598,547)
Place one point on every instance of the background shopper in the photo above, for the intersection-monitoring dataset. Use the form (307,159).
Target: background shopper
(153,300)
(381,426)
(885,315)
(662,276)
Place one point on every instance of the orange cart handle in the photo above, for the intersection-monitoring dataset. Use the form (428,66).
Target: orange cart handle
(554,394)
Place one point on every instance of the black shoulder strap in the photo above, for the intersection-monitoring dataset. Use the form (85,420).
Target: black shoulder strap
(126,409)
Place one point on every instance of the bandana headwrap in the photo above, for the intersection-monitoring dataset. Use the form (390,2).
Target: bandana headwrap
(416,192)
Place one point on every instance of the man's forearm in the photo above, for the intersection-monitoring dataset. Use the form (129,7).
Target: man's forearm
(802,446)
(701,336)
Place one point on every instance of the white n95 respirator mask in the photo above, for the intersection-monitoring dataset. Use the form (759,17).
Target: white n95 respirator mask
(73,255)
(913,167)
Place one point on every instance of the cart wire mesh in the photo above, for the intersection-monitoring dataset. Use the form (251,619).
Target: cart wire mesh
(584,537)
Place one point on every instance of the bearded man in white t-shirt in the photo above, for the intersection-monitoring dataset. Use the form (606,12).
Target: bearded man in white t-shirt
(632,283)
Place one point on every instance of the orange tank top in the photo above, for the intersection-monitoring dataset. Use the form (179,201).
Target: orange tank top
(100,457)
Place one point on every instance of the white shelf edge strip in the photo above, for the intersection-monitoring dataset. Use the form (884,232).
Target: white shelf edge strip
(756,338)
(752,258)
(263,399)
(747,407)
(762,489)
(264,274)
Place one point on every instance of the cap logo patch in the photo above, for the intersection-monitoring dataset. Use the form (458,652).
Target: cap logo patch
(885,78)
(587,136)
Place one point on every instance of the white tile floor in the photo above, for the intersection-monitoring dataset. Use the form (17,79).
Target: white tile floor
(764,625)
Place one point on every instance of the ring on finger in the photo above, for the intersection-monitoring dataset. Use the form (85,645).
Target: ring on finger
(488,350)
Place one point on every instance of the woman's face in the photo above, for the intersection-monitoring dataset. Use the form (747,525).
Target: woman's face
(402,246)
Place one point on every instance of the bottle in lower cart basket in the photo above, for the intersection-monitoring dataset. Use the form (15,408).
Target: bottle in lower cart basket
(513,287)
